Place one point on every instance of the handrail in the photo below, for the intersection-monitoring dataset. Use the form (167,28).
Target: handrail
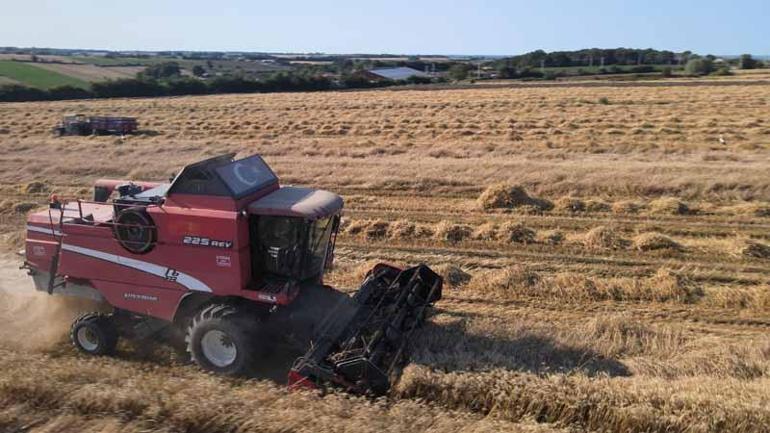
(80,202)
(110,223)
(54,267)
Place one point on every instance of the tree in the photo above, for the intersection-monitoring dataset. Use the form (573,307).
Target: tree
(356,81)
(747,62)
(186,86)
(550,75)
(234,85)
(459,71)
(68,92)
(417,79)
(198,70)
(162,70)
(126,88)
(506,71)
(699,66)
(15,92)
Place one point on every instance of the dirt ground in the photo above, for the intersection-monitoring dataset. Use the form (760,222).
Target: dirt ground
(606,251)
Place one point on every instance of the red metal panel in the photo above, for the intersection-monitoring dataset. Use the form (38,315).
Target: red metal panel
(204,263)
(152,301)
(39,250)
(192,201)
(174,223)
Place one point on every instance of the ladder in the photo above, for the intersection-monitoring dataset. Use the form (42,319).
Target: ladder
(54,268)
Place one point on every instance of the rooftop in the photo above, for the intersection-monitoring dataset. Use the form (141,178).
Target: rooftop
(400,73)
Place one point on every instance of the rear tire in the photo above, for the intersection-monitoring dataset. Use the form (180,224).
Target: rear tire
(94,334)
(220,340)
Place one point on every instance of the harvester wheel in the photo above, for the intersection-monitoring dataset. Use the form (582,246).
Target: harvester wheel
(221,341)
(94,334)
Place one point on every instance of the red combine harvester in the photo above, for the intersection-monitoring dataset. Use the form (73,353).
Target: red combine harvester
(231,260)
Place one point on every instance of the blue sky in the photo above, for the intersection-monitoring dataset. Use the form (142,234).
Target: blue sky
(389,26)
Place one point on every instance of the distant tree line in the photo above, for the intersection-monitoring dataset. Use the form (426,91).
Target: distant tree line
(539,64)
(594,57)
(505,71)
(165,80)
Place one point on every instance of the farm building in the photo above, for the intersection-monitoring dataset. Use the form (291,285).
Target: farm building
(394,74)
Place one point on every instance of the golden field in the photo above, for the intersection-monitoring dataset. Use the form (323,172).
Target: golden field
(606,248)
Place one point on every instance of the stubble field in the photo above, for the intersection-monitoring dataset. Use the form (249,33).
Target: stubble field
(607,256)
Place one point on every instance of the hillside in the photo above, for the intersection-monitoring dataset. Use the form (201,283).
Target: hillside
(39,77)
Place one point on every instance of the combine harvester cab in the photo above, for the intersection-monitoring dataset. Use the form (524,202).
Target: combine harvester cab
(217,255)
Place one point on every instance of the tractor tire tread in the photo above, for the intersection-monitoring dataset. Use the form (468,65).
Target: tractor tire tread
(226,313)
(102,321)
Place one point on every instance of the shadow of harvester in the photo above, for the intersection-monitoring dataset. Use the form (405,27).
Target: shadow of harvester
(446,344)
(450,347)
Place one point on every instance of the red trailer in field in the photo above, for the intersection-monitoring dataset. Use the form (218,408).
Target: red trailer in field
(80,124)
(221,255)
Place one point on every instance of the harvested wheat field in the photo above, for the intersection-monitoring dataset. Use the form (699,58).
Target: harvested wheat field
(607,261)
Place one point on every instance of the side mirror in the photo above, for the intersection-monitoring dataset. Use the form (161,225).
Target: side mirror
(336,224)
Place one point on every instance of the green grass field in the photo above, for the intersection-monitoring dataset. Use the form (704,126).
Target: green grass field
(30,75)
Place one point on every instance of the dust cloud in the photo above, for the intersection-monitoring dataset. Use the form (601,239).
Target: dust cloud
(29,319)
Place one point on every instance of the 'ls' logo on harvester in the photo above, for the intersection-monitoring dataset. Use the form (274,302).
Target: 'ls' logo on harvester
(171,274)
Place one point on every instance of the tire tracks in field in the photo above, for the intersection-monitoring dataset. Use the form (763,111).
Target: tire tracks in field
(716,226)
(499,258)
(656,312)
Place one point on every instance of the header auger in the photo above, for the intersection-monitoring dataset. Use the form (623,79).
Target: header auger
(227,260)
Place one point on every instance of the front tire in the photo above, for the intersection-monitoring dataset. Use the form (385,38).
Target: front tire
(221,341)
(94,334)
